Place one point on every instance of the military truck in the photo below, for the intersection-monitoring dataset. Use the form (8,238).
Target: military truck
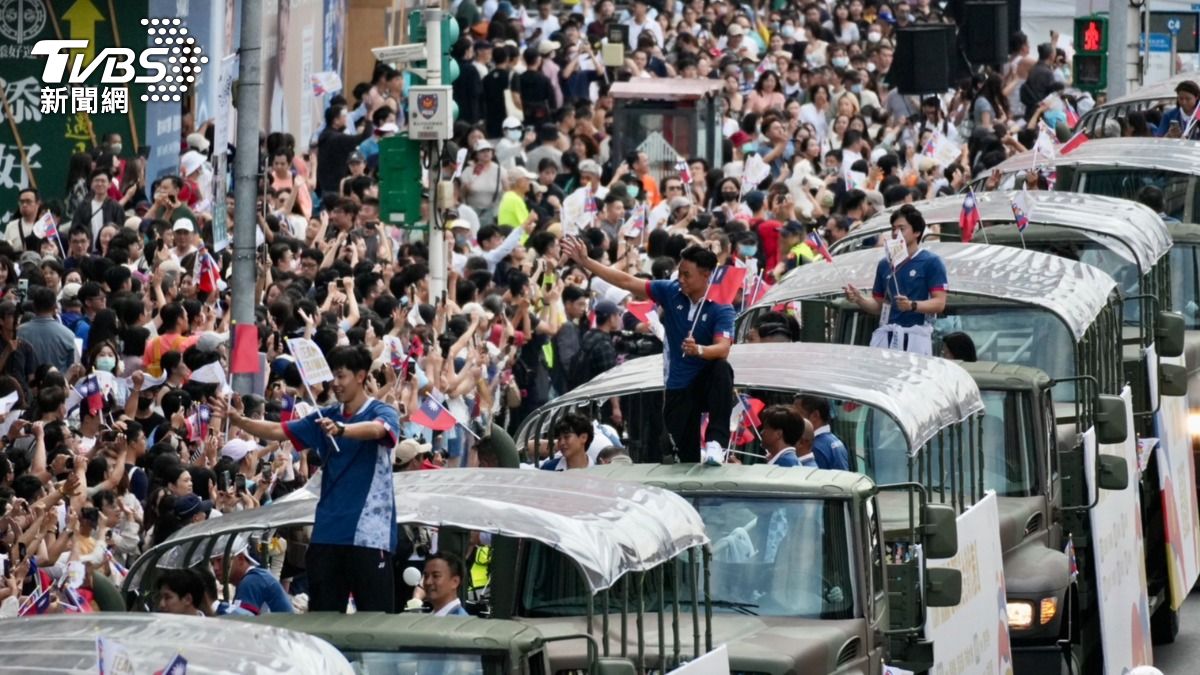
(906,418)
(1028,308)
(611,534)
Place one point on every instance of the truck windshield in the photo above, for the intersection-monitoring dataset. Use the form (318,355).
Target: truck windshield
(1024,336)
(421,663)
(1126,183)
(1007,453)
(1185,282)
(771,557)
(1095,253)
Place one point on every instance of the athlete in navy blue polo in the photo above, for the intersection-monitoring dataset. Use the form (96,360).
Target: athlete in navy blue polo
(354,533)
(697,375)
(906,299)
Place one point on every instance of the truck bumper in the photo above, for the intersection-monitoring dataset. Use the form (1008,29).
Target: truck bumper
(1040,659)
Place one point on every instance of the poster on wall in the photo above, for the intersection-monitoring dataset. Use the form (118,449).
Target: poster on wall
(971,638)
(300,38)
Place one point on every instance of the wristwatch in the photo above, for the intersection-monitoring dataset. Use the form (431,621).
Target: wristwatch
(700,351)
(912,305)
(341,428)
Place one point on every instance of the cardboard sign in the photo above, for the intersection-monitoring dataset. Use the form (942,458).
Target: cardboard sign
(310,360)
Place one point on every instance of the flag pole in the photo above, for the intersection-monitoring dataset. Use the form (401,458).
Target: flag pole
(456,422)
(304,378)
(700,307)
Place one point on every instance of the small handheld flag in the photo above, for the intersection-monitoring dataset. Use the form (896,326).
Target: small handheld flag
(968,219)
(817,244)
(432,415)
(685,173)
(287,409)
(1022,205)
(725,283)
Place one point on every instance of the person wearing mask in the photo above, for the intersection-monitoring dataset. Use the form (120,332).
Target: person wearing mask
(443,576)
(827,449)
(699,333)
(908,296)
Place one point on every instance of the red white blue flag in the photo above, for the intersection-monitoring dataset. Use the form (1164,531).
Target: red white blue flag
(968,219)
(817,244)
(433,415)
(725,283)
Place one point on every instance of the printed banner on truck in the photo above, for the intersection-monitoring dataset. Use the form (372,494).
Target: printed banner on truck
(972,637)
(1120,558)
(1176,480)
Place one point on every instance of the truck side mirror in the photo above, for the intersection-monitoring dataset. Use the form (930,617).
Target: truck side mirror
(939,531)
(943,587)
(611,665)
(1172,379)
(1111,425)
(1112,472)
(1168,334)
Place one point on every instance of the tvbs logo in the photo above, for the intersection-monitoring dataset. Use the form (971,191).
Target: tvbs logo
(170,66)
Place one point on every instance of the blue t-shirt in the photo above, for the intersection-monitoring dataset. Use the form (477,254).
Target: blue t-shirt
(830,453)
(918,278)
(357,506)
(677,314)
(260,592)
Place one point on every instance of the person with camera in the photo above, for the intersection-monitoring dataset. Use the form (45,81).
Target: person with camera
(699,333)
(598,353)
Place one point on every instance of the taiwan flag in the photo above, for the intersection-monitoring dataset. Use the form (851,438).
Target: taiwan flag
(968,220)
(1073,142)
(287,409)
(817,244)
(685,174)
(207,272)
(89,390)
(203,417)
(433,415)
(725,283)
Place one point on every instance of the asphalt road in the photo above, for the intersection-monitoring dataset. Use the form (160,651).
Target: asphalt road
(1184,655)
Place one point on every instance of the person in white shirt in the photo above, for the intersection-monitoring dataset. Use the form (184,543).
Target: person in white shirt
(542,26)
(443,577)
(640,21)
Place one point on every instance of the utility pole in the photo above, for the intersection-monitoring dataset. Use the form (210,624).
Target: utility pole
(246,170)
(1122,42)
(437,229)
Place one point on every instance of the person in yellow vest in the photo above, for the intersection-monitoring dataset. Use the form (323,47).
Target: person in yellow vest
(793,241)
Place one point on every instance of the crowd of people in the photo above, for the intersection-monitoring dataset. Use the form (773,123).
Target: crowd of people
(116,421)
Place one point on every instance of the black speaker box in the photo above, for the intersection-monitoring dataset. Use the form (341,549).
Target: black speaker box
(924,58)
(985,32)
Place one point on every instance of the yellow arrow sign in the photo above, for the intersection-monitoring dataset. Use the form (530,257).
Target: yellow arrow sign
(83,17)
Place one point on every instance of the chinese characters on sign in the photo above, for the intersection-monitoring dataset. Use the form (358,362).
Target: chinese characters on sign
(64,100)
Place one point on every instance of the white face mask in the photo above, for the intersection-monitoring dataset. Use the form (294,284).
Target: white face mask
(513,134)
(840,62)
(874,37)
(870,66)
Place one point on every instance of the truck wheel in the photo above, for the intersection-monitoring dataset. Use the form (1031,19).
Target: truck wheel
(1164,625)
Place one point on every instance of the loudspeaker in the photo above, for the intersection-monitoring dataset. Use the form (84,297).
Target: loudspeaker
(985,32)
(922,63)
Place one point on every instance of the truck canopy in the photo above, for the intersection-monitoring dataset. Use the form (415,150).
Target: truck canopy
(1074,292)
(1143,237)
(606,527)
(1162,154)
(922,395)
(66,643)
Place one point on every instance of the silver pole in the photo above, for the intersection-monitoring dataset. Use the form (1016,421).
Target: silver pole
(246,173)
(1118,48)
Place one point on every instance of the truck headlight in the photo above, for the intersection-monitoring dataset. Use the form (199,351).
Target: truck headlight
(1194,423)
(1049,608)
(1020,615)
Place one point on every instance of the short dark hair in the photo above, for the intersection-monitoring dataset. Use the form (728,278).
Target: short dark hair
(455,563)
(700,257)
(574,423)
(170,314)
(785,419)
(43,299)
(354,358)
(912,216)
(1188,86)
(183,583)
(961,346)
(816,404)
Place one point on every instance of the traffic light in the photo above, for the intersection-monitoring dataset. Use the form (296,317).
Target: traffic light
(1089,69)
(449,32)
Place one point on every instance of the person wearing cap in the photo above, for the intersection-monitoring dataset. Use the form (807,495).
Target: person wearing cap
(101,208)
(514,211)
(1187,94)
(548,49)
(412,455)
(192,509)
(699,332)
(908,296)
(354,532)
(258,591)
(183,233)
(673,199)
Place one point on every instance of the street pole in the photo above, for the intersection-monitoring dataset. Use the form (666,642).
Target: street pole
(433,75)
(1118,48)
(246,175)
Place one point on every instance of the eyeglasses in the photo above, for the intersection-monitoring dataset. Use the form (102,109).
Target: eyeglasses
(675,187)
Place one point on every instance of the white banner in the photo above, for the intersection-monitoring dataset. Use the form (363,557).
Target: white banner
(311,361)
(1120,558)
(715,662)
(1177,481)
(972,637)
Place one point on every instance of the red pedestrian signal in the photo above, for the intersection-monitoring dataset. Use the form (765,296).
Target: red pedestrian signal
(1091,37)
